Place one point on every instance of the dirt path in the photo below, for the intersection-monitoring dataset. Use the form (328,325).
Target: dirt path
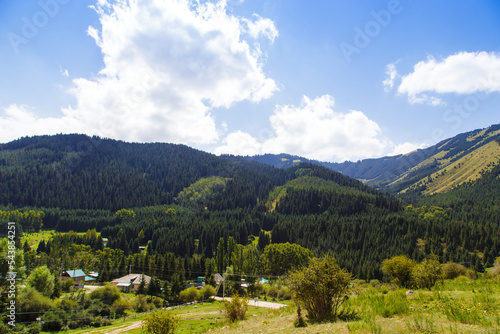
(258,304)
(129,327)
(137,324)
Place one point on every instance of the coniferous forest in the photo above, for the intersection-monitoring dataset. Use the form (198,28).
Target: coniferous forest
(186,207)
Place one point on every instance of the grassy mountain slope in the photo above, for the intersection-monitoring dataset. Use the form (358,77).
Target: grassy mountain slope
(449,163)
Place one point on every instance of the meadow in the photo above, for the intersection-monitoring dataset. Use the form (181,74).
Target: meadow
(461,305)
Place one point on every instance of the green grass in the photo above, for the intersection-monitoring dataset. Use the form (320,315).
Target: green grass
(457,306)
(197,318)
(35,238)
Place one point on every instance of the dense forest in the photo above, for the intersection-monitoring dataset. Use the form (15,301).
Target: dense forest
(183,208)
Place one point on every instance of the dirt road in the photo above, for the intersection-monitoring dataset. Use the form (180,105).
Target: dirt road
(258,303)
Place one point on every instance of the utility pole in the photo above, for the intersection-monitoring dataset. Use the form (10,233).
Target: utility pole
(224,287)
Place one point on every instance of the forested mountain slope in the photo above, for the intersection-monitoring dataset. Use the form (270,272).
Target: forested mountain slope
(449,163)
(183,202)
(80,172)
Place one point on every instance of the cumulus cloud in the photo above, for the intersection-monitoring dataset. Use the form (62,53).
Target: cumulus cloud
(167,64)
(240,142)
(461,73)
(19,120)
(314,130)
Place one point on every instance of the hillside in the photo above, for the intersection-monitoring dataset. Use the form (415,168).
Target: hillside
(181,201)
(436,169)
(81,172)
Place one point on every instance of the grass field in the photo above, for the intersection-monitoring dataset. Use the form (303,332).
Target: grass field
(35,238)
(197,318)
(456,306)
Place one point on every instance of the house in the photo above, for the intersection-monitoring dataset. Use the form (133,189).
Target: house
(131,282)
(218,279)
(77,275)
(200,283)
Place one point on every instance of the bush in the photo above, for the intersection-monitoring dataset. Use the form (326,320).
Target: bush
(34,328)
(141,304)
(207,292)
(299,322)
(285,294)
(51,322)
(160,322)
(158,302)
(4,329)
(235,309)
(400,269)
(471,274)
(453,270)
(272,292)
(42,280)
(98,308)
(427,273)
(321,288)
(189,295)
(32,304)
(120,306)
(67,285)
(108,294)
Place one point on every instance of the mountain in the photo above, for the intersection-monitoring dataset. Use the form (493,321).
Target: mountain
(81,172)
(183,201)
(436,169)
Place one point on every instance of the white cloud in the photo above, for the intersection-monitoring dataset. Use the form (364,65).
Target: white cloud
(19,121)
(461,73)
(314,130)
(407,148)
(239,143)
(261,27)
(426,99)
(167,64)
(392,74)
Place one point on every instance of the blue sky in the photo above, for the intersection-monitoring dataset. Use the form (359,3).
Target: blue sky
(328,80)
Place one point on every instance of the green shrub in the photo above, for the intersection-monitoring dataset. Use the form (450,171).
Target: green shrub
(160,322)
(427,273)
(4,329)
(108,294)
(34,328)
(158,302)
(52,322)
(453,270)
(32,304)
(299,322)
(321,288)
(235,309)
(42,280)
(272,292)
(67,285)
(189,295)
(400,269)
(207,292)
(120,306)
(140,304)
